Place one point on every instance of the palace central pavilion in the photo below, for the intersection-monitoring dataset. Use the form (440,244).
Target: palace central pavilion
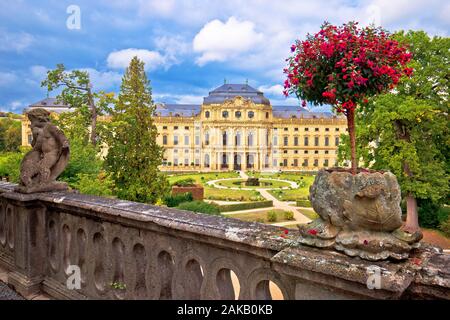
(237,128)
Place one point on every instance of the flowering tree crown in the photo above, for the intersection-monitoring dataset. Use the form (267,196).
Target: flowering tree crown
(342,66)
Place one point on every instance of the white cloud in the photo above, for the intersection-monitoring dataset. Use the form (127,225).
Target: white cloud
(104,80)
(173,48)
(178,98)
(121,59)
(18,42)
(275,90)
(218,41)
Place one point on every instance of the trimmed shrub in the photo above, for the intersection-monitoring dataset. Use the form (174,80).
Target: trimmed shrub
(175,200)
(288,215)
(186,182)
(428,213)
(245,206)
(445,227)
(199,206)
(271,216)
(303,203)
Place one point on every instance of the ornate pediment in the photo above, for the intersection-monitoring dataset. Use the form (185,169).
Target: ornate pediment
(238,102)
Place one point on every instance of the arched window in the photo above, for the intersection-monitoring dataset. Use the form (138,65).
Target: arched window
(225,114)
(237,114)
(206,114)
(251,114)
(207,138)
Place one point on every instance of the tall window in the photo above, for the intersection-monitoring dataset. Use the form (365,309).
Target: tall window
(250,139)
(316,141)
(175,140)
(206,160)
(275,140)
(186,140)
(164,139)
(237,139)
(207,138)
(336,141)
(197,140)
(295,141)
(286,140)
(207,114)
(224,138)
(306,141)
(327,141)
(316,162)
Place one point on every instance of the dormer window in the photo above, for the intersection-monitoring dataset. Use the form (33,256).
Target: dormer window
(206,114)
(237,114)
(225,114)
(251,114)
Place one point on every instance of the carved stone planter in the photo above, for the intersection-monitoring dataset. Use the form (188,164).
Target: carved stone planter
(197,191)
(359,215)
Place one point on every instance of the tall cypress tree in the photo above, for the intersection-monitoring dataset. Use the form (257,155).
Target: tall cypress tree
(133,155)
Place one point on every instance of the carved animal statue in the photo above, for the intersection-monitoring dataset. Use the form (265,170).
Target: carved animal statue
(359,214)
(47,160)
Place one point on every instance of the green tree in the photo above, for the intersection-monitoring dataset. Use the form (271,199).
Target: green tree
(133,153)
(84,159)
(10,134)
(406,130)
(77,92)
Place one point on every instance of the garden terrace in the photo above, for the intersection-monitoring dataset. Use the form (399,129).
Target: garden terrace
(129,250)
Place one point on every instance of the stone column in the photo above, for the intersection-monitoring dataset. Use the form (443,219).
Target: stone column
(29,243)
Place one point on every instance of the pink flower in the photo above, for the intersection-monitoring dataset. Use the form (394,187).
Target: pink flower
(312,232)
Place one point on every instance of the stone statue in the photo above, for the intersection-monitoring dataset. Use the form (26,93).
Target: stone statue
(41,166)
(359,215)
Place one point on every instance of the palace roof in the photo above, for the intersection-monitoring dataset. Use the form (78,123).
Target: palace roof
(50,104)
(229,91)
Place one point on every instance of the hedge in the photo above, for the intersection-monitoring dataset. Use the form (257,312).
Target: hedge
(304,203)
(175,200)
(246,206)
(199,206)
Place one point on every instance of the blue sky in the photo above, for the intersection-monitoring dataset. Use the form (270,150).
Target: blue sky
(189,47)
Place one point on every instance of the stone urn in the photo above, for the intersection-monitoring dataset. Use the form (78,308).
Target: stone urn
(359,215)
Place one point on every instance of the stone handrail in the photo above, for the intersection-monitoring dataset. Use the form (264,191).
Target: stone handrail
(128,250)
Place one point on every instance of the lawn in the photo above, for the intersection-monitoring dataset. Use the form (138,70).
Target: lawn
(212,193)
(303,180)
(310,213)
(272,184)
(260,216)
(207,176)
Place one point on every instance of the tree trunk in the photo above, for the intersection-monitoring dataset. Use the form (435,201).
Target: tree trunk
(351,132)
(412,216)
(93,118)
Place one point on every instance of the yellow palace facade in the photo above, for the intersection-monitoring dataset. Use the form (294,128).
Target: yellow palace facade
(237,128)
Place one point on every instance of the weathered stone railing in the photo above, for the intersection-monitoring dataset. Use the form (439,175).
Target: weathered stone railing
(128,250)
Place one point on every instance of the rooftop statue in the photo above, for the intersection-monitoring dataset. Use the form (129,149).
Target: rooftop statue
(47,160)
(359,215)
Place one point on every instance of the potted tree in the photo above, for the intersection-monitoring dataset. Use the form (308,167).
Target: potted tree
(359,209)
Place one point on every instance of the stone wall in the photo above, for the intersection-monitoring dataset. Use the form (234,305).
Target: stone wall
(128,250)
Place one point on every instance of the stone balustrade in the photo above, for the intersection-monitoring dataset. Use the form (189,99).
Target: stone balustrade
(128,250)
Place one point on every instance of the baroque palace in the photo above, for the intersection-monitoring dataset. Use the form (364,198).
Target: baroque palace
(237,128)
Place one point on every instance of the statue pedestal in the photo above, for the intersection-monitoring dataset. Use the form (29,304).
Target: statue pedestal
(359,215)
